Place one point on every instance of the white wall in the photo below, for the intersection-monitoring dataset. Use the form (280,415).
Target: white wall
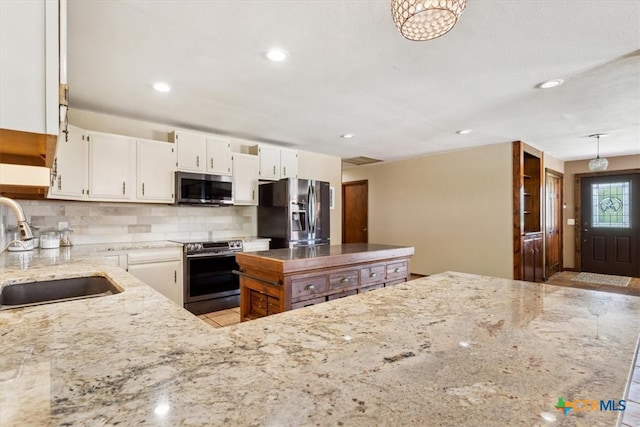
(454,208)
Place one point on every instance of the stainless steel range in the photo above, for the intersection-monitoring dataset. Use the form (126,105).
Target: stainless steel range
(209,284)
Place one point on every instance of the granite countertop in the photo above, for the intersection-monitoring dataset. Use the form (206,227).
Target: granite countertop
(448,350)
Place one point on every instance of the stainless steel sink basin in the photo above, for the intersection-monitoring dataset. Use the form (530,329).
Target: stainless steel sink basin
(34,293)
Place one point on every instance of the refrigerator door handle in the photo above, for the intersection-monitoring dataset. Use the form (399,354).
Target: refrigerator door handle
(311,206)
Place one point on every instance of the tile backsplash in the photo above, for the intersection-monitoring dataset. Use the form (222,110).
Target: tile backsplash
(102,222)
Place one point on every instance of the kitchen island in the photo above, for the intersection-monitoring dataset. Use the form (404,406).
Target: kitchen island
(447,350)
(285,279)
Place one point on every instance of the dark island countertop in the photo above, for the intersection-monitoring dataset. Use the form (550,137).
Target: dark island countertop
(311,257)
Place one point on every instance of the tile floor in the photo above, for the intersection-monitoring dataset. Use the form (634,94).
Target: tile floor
(221,318)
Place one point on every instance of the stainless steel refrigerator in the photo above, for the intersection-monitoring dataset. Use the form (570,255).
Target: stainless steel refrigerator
(294,212)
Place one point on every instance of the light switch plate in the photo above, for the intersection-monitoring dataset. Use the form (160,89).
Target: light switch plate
(571,221)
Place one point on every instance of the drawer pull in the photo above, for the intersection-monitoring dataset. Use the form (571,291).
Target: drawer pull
(396,270)
(372,274)
(309,287)
(344,280)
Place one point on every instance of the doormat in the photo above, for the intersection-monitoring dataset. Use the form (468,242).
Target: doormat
(602,279)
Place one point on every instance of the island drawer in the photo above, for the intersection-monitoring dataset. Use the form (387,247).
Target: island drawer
(342,294)
(261,304)
(396,270)
(372,274)
(394,282)
(307,302)
(343,279)
(303,287)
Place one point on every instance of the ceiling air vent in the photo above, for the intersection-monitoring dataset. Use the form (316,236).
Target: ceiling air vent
(359,161)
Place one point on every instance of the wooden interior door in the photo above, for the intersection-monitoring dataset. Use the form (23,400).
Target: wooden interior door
(553,222)
(610,229)
(355,212)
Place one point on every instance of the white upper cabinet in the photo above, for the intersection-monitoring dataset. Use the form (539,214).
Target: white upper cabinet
(273,164)
(70,177)
(192,151)
(218,155)
(245,179)
(288,163)
(29,66)
(112,163)
(156,165)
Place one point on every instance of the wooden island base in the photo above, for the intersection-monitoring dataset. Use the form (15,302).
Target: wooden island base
(285,279)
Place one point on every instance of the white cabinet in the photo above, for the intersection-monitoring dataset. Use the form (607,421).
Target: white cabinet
(111,166)
(219,156)
(192,151)
(29,63)
(275,163)
(69,175)
(288,163)
(245,179)
(156,164)
(159,268)
(202,153)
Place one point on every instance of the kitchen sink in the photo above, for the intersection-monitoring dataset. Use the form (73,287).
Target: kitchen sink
(34,293)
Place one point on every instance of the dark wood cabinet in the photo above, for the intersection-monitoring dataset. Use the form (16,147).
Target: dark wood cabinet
(270,284)
(527,213)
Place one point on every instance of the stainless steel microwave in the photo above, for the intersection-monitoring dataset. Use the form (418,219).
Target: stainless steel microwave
(203,189)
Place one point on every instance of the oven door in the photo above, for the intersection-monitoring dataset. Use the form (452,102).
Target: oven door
(210,284)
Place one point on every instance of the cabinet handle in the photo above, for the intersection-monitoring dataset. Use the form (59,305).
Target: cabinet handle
(83,191)
(175,276)
(59,182)
(396,270)
(344,280)
(197,161)
(372,274)
(124,187)
(285,171)
(212,163)
(143,188)
(309,287)
(274,169)
(253,194)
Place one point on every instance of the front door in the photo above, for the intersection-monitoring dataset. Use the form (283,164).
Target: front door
(355,213)
(553,222)
(610,217)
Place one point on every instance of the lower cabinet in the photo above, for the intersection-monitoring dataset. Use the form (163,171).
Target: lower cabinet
(532,266)
(159,268)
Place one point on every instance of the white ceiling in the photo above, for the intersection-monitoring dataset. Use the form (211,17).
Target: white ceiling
(350,71)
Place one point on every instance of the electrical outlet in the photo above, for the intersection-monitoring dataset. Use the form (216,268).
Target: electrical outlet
(63,225)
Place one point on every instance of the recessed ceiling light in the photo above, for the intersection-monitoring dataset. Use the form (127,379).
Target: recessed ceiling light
(550,83)
(347,135)
(276,55)
(161,87)
(464,131)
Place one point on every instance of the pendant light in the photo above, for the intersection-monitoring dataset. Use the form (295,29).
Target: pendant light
(421,20)
(598,164)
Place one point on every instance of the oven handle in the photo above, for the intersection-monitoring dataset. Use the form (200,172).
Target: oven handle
(211,255)
(268,282)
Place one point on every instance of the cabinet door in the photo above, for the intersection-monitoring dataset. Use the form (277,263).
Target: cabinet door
(245,179)
(192,151)
(269,167)
(164,277)
(111,166)
(528,260)
(156,165)
(29,58)
(218,156)
(288,164)
(70,166)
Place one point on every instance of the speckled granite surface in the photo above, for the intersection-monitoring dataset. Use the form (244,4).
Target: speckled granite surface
(448,350)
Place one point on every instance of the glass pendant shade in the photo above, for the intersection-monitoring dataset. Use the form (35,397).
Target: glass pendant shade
(598,164)
(421,20)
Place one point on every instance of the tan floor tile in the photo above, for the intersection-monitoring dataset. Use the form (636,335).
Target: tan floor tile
(236,309)
(215,314)
(631,415)
(226,319)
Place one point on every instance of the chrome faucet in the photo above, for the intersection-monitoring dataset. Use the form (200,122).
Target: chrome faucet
(23,226)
